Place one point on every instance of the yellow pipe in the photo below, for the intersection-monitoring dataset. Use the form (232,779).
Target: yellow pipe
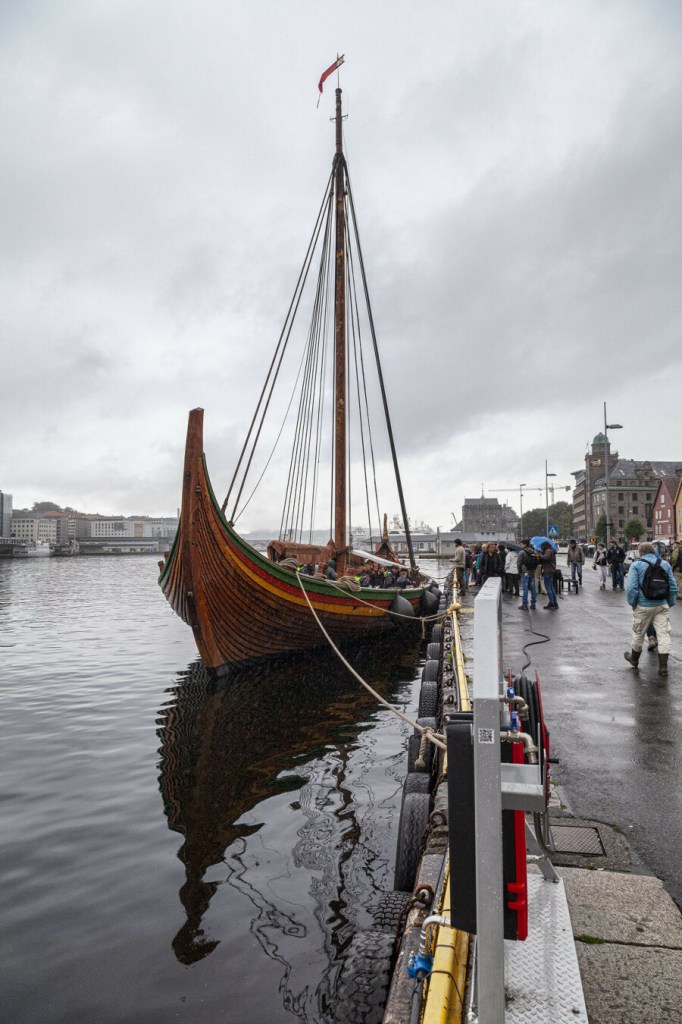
(458,658)
(448,977)
(443,1004)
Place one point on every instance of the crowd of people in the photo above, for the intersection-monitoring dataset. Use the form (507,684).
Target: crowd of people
(652,586)
(524,572)
(371,574)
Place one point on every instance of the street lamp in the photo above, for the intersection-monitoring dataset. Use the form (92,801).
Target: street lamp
(521,486)
(547,500)
(607,427)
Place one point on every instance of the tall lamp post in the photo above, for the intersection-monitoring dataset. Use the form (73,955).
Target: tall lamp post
(607,427)
(521,486)
(547,500)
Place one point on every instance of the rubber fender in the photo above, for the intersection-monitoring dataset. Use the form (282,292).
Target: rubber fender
(414,817)
(416,782)
(388,910)
(428,605)
(436,633)
(401,605)
(462,819)
(429,721)
(428,699)
(430,670)
(433,651)
(365,978)
(435,589)
(413,747)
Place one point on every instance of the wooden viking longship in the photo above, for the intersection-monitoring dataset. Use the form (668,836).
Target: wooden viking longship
(240,604)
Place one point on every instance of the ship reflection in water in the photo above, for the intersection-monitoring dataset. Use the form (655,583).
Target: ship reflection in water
(230,745)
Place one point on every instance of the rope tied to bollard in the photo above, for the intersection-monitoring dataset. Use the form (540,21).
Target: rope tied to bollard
(427,733)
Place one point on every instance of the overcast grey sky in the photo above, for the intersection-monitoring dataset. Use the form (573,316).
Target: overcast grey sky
(516,167)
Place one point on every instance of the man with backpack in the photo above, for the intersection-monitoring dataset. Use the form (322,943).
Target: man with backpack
(652,592)
(527,563)
(615,556)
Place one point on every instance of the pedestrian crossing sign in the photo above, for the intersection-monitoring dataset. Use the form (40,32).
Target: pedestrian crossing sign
(553,531)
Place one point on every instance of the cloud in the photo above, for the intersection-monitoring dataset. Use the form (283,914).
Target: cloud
(516,179)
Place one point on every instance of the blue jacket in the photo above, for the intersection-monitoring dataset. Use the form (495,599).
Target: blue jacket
(634,591)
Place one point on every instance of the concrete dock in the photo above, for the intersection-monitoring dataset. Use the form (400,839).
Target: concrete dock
(618,736)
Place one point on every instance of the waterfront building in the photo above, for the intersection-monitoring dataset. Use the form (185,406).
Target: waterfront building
(664,508)
(133,527)
(632,488)
(677,512)
(33,527)
(487,517)
(123,545)
(5,515)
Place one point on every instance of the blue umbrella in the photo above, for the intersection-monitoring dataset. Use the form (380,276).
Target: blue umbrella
(537,542)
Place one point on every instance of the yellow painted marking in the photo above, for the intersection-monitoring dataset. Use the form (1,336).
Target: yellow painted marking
(443,1004)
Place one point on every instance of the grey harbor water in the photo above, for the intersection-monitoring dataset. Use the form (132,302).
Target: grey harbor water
(174,848)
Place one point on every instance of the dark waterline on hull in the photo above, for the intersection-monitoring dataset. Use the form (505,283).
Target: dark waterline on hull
(175,847)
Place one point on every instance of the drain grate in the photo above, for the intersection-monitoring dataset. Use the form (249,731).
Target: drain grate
(577,839)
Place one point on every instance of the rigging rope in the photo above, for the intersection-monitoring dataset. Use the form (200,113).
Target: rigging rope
(427,733)
(394,454)
(294,503)
(285,335)
(312,385)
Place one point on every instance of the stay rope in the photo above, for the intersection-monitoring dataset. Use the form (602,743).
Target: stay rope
(428,734)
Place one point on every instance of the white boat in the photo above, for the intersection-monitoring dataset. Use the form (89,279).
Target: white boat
(36,549)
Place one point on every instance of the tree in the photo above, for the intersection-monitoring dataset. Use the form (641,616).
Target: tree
(634,528)
(600,529)
(46,506)
(560,515)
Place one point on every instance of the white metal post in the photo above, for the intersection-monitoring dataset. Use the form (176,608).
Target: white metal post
(488,800)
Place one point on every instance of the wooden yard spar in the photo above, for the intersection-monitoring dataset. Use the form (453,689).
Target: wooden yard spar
(240,604)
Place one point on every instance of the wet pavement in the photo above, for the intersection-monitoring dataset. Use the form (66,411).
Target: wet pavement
(617,732)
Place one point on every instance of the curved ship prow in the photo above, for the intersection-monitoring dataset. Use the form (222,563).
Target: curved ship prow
(239,604)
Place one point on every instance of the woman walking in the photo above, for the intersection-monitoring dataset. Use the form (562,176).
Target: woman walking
(601,565)
(548,563)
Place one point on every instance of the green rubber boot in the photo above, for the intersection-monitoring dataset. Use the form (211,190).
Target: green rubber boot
(633,657)
(663,664)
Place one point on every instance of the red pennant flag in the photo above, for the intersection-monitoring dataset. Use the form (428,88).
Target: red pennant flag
(337,64)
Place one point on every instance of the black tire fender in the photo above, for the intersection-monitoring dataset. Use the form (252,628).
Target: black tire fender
(413,745)
(365,979)
(430,671)
(428,699)
(387,912)
(433,651)
(414,817)
(416,782)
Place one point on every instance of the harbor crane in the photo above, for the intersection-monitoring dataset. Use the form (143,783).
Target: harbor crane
(532,487)
(552,487)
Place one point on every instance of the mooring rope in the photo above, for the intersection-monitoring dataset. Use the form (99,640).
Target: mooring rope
(427,732)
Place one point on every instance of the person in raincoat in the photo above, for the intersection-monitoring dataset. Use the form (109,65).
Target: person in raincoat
(648,611)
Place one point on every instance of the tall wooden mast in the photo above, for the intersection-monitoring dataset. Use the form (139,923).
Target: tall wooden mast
(340,531)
